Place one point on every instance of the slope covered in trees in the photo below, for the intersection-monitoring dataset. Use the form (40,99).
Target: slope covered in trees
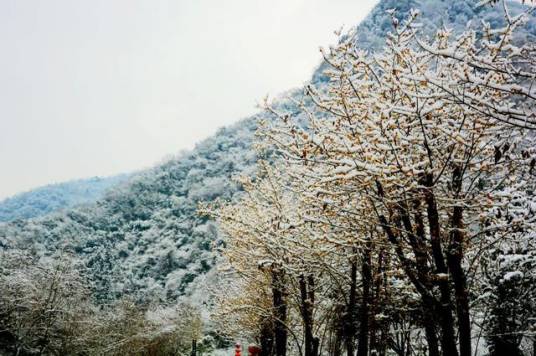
(44,200)
(146,236)
(146,240)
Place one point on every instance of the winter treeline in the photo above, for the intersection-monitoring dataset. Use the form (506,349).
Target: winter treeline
(47,307)
(400,218)
(56,197)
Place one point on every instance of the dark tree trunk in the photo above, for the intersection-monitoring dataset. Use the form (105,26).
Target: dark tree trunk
(307,313)
(428,300)
(455,259)
(504,346)
(266,338)
(280,312)
(349,325)
(311,295)
(194,348)
(421,257)
(376,301)
(316,345)
(366,276)
(448,338)
(430,328)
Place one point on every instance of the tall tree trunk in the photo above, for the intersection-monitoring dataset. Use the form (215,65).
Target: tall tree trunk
(307,313)
(194,348)
(376,301)
(421,257)
(311,295)
(448,338)
(380,332)
(366,276)
(428,300)
(316,346)
(349,325)
(430,328)
(266,338)
(455,259)
(280,312)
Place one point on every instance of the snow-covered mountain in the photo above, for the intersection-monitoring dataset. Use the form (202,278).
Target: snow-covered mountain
(145,237)
(53,197)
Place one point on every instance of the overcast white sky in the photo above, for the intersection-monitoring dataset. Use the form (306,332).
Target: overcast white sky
(108,86)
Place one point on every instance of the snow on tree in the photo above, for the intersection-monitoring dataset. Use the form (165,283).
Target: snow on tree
(408,150)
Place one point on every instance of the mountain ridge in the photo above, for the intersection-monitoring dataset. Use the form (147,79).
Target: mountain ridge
(57,196)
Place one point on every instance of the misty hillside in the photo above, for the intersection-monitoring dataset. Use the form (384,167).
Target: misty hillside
(53,197)
(145,238)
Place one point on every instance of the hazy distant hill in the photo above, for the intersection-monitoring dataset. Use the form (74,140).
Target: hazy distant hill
(54,197)
(145,237)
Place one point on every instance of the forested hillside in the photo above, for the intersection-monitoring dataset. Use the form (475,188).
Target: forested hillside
(150,225)
(146,236)
(146,240)
(44,200)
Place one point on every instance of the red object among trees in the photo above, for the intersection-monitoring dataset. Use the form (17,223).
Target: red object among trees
(254,350)
(238,350)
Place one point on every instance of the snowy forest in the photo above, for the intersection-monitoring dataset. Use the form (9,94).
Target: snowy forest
(386,208)
(55,197)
